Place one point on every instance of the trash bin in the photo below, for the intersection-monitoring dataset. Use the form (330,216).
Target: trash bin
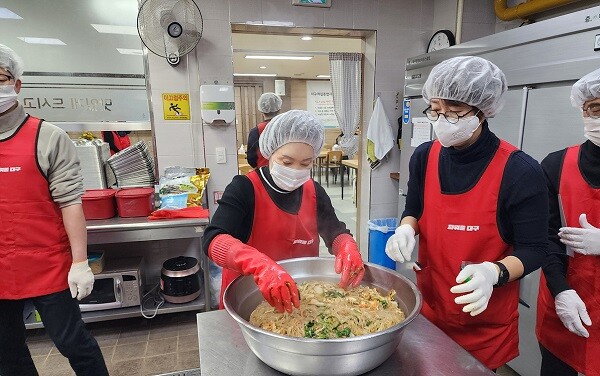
(380,230)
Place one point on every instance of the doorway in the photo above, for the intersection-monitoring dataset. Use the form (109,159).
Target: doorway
(299,61)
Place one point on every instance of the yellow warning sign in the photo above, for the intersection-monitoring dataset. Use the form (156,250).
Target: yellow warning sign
(176,106)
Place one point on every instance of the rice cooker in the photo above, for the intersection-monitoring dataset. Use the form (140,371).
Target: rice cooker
(180,279)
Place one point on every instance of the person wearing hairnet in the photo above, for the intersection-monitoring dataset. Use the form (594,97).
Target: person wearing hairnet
(269,105)
(43,239)
(480,207)
(568,313)
(277,212)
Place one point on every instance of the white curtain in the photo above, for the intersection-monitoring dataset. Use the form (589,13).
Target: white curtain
(345,70)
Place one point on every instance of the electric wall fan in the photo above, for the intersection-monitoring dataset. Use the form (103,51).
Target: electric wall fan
(170,28)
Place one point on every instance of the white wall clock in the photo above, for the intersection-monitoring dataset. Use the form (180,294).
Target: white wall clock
(441,39)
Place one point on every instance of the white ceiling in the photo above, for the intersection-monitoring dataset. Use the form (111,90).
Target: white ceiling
(88,51)
(260,44)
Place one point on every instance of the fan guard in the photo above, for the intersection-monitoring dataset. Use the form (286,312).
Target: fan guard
(170,28)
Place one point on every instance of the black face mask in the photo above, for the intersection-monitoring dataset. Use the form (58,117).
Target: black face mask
(123,133)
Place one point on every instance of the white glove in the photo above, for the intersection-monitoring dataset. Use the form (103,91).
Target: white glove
(399,246)
(81,280)
(584,240)
(572,312)
(483,278)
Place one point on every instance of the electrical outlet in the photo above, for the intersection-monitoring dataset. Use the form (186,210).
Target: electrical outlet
(221,156)
(597,43)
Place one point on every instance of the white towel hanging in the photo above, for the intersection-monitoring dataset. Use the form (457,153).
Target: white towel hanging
(380,131)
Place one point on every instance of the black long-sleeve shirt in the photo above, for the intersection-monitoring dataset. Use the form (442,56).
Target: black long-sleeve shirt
(557,261)
(235,214)
(252,149)
(522,213)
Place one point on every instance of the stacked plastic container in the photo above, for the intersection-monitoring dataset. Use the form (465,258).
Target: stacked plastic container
(129,202)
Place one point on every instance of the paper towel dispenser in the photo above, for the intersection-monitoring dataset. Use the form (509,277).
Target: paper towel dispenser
(218,103)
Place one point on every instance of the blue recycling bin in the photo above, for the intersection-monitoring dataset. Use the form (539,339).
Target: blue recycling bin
(380,230)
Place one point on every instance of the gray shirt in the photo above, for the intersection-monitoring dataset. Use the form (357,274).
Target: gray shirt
(56,155)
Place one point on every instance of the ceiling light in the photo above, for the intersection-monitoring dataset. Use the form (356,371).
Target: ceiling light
(306,38)
(276,57)
(262,67)
(130,51)
(115,29)
(323,76)
(8,14)
(42,41)
(255,74)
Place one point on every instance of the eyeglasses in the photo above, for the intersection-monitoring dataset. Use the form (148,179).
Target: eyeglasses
(593,111)
(451,116)
(5,78)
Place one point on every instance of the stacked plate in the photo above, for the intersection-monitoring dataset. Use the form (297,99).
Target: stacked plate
(133,166)
(92,156)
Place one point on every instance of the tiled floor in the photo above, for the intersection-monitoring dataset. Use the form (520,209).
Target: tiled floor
(131,347)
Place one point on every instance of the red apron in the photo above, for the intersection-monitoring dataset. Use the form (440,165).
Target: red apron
(120,143)
(35,255)
(279,234)
(462,227)
(583,354)
(261,161)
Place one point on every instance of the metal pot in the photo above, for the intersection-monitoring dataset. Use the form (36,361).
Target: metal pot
(307,356)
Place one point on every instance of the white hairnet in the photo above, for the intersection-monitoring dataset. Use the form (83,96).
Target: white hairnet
(291,126)
(269,102)
(586,89)
(10,61)
(468,79)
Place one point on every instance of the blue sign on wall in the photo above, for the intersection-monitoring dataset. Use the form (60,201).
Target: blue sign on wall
(405,111)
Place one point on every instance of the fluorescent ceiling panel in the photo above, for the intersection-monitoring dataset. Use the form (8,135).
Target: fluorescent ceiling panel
(323,76)
(33,40)
(8,14)
(276,57)
(130,51)
(115,29)
(255,74)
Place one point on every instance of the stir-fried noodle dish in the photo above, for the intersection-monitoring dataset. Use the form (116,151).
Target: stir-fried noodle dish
(328,311)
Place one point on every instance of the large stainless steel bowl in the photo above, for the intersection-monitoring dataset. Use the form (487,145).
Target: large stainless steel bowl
(307,356)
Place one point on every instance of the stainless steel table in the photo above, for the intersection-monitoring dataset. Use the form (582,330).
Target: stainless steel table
(423,351)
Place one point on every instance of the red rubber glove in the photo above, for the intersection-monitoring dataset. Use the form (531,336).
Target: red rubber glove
(276,285)
(348,260)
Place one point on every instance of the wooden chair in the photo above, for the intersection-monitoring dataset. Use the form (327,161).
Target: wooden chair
(333,162)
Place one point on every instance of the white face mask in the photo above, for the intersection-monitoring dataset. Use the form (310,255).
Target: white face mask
(592,130)
(288,178)
(8,97)
(454,134)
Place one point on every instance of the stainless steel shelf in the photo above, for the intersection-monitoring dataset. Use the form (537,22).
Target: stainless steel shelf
(123,230)
(123,313)
(141,229)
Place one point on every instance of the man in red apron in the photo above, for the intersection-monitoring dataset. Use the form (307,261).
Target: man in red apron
(117,141)
(43,239)
(479,206)
(568,313)
(269,105)
(277,212)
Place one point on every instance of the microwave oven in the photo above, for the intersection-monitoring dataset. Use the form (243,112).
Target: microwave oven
(119,285)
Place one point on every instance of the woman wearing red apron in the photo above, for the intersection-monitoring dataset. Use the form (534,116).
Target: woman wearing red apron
(569,299)
(480,208)
(269,105)
(278,212)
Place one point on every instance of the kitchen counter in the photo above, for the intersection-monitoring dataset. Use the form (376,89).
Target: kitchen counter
(423,351)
